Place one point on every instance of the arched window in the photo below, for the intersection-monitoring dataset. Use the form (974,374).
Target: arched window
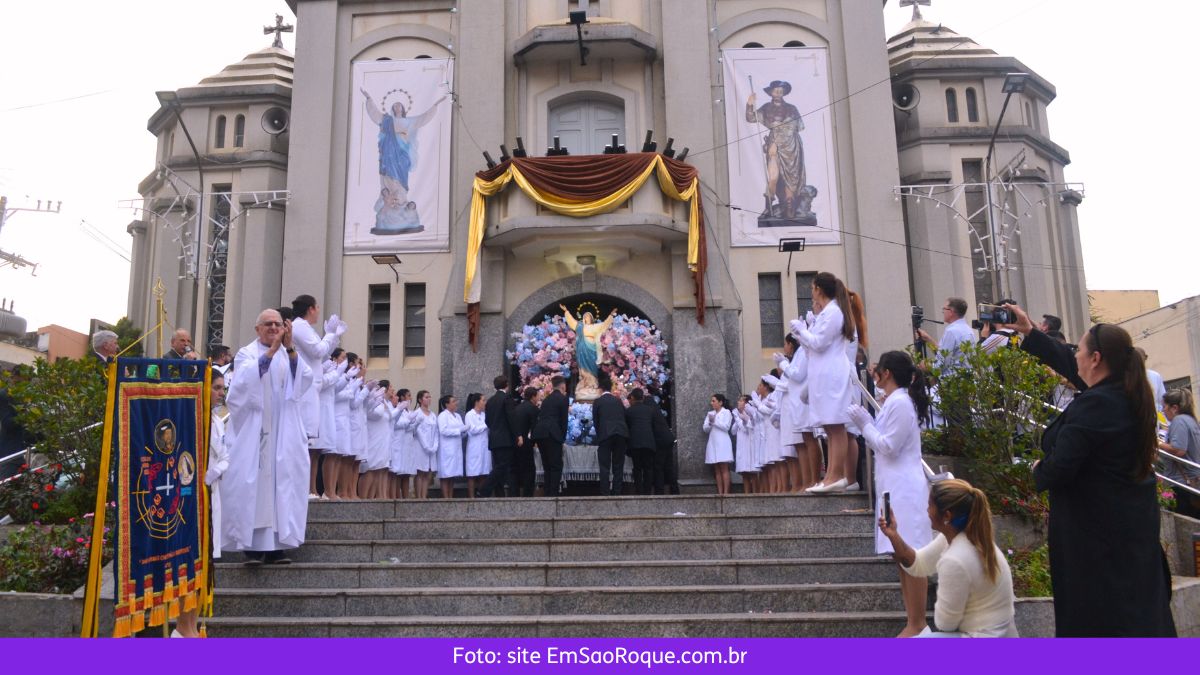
(951,106)
(752,45)
(219,139)
(972,106)
(239,131)
(793,43)
(586,126)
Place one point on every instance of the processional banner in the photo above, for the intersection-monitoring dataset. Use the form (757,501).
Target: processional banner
(398,174)
(782,177)
(160,446)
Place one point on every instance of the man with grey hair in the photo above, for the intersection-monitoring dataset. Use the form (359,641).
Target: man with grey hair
(181,347)
(264,491)
(104,345)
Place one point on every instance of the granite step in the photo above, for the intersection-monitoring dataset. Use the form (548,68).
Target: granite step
(557,600)
(866,569)
(722,547)
(590,526)
(742,624)
(558,507)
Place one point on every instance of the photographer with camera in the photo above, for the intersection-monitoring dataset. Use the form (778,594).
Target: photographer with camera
(958,332)
(992,335)
(1107,567)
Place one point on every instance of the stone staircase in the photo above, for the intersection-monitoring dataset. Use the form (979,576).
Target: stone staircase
(681,566)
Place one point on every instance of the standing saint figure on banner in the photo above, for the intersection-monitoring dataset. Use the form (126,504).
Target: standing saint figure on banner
(395,213)
(588,352)
(786,195)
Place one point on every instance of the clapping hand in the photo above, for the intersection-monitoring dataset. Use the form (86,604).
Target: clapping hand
(810,318)
(859,416)
(342,366)
(797,325)
(328,366)
(353,372)
(779,358)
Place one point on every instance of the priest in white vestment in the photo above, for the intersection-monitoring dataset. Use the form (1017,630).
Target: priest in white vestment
(264,492)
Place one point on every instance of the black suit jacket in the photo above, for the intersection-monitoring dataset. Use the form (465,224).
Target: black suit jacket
(524,416)
(498,414)
(663,437)
(640,420)
(552,418)
(609,415)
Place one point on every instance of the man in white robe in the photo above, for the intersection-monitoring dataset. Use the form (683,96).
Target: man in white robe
(264,492)
(314,350)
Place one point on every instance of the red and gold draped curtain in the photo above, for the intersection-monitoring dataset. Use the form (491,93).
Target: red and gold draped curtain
(581,186)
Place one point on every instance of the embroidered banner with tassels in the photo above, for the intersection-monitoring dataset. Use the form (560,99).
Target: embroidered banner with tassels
(160,446)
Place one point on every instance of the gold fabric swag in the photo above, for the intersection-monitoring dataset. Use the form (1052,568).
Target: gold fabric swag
(582,186)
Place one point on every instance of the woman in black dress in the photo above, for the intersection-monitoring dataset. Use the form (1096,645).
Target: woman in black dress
(1107,567)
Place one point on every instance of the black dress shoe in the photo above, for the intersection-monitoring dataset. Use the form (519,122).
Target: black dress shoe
(253,558)
(277,558)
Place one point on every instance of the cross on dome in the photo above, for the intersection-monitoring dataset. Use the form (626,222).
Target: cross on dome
(278,29)
(916,5)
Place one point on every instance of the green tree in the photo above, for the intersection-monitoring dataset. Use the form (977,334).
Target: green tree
(127,334)
(62,405)
(995,415)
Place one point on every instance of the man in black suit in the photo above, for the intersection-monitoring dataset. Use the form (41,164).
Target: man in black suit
(612,434)
(550,432)
(104,346)
(501,440)
(640,420)
(664,452)
(524,418)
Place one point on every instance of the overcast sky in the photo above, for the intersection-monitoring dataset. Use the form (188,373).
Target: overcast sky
(80,76)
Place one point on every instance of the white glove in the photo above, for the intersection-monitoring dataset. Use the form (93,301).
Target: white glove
(353,372)
(796,325)
(810,318)
(212,475)
(331,323)
(341,367)
(372,385)
(327,366)
(779,358)
(859,416)
(340,329)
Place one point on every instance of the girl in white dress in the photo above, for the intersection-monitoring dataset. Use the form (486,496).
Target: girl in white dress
(895,436)
(425,433)
(829,374)
(760,393)
(358,432)
(349,386)
(719,451)
(770,417)
(795,428)
(378,406)
(743,428)
(450,444)
(402,466)
(479,457)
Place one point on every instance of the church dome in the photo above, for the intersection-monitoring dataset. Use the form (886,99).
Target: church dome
(272,65)
(922,41)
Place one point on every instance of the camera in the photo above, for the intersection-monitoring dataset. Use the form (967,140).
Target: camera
(918,316)
(976,324)
(995,314)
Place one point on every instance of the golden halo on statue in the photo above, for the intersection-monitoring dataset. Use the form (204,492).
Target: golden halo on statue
(595,310)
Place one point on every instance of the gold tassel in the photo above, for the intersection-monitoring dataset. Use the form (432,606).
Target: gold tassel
(158,615)
(121,627)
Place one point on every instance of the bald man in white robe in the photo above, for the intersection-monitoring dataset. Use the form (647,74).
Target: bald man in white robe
(264,492)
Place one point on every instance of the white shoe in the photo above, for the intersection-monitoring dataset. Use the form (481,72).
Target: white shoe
(836,486)
(312,496)
(853,487)
(176,634)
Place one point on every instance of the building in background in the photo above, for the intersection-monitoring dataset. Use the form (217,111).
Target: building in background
(516,70)
(1117,306)
(1170,336)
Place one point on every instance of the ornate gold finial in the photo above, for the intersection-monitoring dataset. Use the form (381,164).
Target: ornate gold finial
(159,289)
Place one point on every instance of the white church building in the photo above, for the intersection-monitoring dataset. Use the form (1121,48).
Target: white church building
(893,191)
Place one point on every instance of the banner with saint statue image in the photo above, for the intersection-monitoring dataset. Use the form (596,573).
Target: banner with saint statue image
(782,174)
(398,173)
(160,446)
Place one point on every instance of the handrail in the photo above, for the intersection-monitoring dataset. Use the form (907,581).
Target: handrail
(32,450)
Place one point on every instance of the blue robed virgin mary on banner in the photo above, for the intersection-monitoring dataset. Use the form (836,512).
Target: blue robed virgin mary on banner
(395,213)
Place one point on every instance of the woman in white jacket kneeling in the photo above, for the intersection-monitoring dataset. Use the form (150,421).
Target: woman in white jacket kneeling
(975,588)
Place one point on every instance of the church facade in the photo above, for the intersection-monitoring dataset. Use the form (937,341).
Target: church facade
(518,71)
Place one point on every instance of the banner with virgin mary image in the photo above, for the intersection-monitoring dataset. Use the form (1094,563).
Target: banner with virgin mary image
(782,177)
(398,175)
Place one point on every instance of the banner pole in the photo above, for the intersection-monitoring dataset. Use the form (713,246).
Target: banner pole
(90,625)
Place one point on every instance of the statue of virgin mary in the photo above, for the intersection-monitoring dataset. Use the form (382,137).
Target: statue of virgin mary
(588,352)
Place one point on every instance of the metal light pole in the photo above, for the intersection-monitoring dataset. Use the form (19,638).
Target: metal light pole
(1014,83)
(171,100)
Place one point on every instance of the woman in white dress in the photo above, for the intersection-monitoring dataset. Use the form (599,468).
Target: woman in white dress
(829,374)
(770,418)
(378,406)
(450,444)
(358,433)
(895,436)
(743,428)
(479,457)
(719,452)
(346,476)
(425,434)
(402,466)
(795,429)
